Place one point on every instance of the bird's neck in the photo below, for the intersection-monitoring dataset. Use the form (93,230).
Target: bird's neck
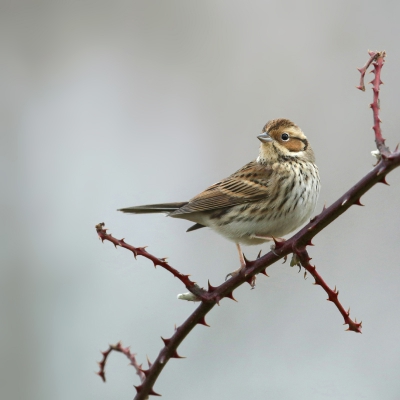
(268,154)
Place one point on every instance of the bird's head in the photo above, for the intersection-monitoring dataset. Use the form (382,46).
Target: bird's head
(281,137)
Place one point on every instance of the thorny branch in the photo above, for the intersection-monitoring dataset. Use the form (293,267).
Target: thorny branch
(124,350)
(141,251)
(332,294)
(387,161)
(373,55)
(377,59)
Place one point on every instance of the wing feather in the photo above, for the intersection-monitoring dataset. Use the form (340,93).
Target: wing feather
(250,183)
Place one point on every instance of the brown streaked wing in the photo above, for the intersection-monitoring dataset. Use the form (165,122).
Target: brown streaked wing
(250,183)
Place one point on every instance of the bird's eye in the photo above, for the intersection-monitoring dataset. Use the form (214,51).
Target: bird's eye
(285,137)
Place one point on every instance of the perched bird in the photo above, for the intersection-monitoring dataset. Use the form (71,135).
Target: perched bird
(268,197)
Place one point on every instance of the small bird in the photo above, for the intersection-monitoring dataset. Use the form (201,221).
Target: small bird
(267,198)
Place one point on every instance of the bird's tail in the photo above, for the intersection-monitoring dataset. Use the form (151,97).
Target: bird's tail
(153,208)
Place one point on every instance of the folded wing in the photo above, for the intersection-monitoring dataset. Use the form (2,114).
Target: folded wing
(250,183)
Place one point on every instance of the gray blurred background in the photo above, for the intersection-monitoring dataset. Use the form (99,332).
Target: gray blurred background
(113,104)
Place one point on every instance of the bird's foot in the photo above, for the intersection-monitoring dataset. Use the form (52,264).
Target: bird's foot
(234,273)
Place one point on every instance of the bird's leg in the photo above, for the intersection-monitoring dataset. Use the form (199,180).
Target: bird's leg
(242,267)
(236,272)
(241,256)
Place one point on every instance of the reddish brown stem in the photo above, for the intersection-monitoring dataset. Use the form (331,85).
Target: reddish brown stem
(124,350)
(141,251)
(363,69)
(377,58)
(375,105)
(333,295)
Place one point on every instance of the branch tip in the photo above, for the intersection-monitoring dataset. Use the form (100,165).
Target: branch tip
(162,262)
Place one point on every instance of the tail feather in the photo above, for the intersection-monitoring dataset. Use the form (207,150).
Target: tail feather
(154,208)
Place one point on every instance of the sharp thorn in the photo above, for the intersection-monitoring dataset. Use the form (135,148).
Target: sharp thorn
(278,243)
(230,296)
(149,363)
(383,180)
(138,388)
(153,393)
(202,321)
(358,203)
(176,355)
(248,262)
(211,288)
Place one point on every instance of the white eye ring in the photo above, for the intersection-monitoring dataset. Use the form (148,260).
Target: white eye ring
(285,137)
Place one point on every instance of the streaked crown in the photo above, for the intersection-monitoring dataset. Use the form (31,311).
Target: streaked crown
(284,138)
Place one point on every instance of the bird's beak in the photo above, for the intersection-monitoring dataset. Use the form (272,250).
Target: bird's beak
(265,138)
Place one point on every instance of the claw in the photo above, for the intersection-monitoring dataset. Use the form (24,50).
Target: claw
(233,274)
